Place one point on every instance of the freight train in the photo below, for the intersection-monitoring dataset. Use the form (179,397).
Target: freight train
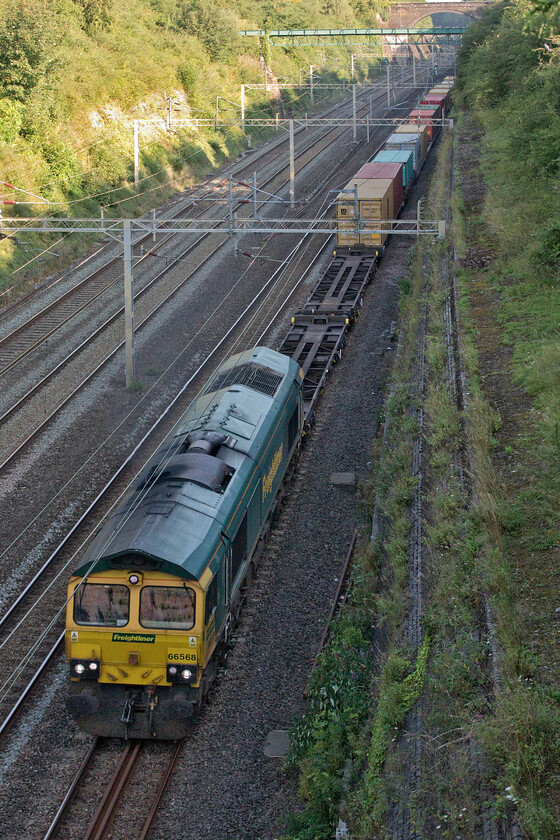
(378,191)
(152,605)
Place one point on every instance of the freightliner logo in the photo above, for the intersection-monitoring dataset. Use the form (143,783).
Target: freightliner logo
(134,637)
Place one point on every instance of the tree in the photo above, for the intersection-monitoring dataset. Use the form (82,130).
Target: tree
(28,37)
(96,13)
(213,25)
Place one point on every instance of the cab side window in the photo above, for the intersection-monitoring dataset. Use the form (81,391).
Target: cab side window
(211,599)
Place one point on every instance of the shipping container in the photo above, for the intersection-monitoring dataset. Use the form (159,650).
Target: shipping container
(430,106)
(375,204)
(404,156)
(436,99)
(410,141)
(426,117)
(422,130)
(444,91)
(391,171)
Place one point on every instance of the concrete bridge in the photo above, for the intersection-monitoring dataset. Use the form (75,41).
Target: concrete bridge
(410,14)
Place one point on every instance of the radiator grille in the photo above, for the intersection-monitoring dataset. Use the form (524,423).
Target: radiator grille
(254,376)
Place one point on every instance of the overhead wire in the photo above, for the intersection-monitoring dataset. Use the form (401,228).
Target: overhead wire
(170,454)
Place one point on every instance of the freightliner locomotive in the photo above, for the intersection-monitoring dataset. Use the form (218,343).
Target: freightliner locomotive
(153,600)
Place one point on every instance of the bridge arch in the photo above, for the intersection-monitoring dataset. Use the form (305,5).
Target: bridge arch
(452,18)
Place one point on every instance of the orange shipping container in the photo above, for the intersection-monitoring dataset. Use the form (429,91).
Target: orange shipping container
(375,205)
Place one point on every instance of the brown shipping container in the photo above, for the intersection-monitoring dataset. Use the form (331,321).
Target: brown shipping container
(425,117)
(386,170)
(375,203)
(422,130)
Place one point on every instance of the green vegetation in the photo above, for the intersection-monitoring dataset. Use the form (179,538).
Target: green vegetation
(74,74)
(504,542)
(514,99)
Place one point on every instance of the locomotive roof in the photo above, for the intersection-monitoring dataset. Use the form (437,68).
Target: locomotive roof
(177,513)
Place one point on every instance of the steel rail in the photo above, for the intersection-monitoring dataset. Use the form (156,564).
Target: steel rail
(6,723)
(69,793)
(105,812)
(104,326)
(143,229)
(338,600)
(146,828)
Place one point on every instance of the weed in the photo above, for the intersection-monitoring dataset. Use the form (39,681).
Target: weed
(135,386)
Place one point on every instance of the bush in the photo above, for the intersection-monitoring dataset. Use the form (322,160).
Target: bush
(10,120)
(213,25)
(28,35)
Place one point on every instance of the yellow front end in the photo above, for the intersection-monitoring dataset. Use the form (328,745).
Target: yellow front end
(130,652)
(134,644)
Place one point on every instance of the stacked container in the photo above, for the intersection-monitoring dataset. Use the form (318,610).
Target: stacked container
(427,106)
(404,156)
(384,171)
(422,131)
(411,142)
(425,116)
(375,203)
(436,99)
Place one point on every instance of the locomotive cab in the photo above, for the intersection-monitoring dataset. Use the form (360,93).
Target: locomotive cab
(143,631)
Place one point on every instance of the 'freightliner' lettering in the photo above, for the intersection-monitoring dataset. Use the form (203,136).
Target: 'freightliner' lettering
(134,637)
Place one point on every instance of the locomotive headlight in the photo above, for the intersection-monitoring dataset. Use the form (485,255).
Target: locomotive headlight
(85,669)
(181,674)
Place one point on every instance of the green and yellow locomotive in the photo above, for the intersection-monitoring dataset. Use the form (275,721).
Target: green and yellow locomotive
(152,602)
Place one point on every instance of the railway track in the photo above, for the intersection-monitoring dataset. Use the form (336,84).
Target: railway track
(113,797)
(340,291)
(262,325)
(17,344)
(18,434)
(130,763)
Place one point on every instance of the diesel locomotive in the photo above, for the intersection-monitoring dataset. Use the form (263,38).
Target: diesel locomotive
(155,596)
